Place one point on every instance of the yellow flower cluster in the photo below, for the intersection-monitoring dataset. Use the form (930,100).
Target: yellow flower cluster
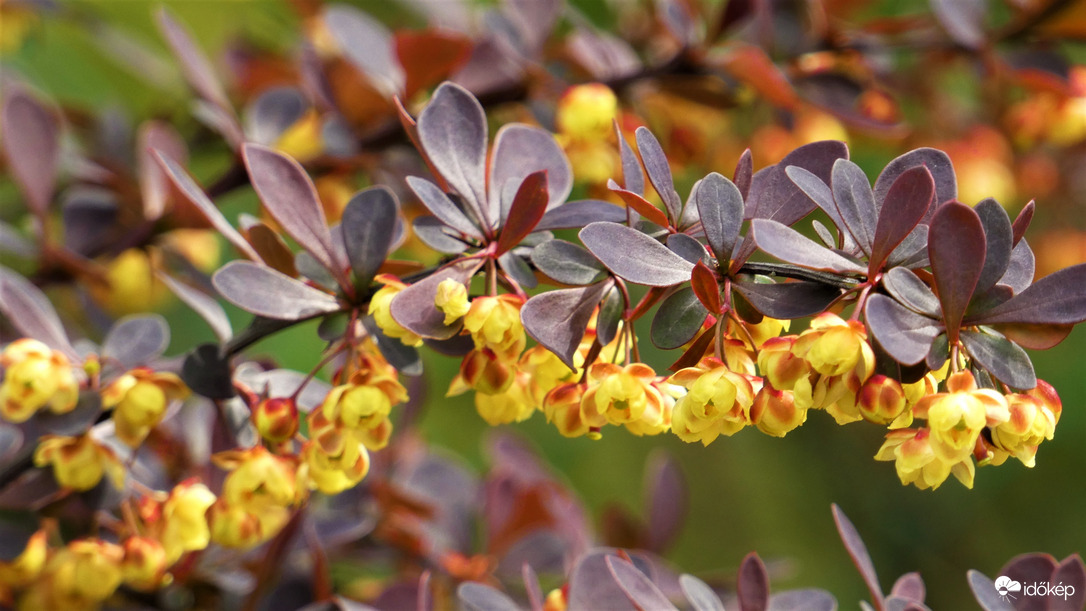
(35,377)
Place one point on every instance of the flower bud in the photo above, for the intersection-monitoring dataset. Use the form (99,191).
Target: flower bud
(494,323)
(562,406)
(484,371)
(511,405)
(881,400)
(276,419)
(452,299)
(585,112)
(144,565)
(774,411)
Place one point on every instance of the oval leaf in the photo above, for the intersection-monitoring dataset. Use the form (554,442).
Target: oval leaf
(1058,298)
(678,320)
(907,203)
(633,179)
(700,595)
(577,214)
(263,291)
(30,311)
(640,205)
(414,306)
(687,247)
(956,249)
(854,544)
(791,246)
(522,150)
(529,205)
(136,340)
(558,319)
(567,263)
(637,587)
(369,227)
(442,206)
(668,500)
(32,145)
(985,592)
(452,133)
(1002,358)
(937,162)
(999,238)
(720,205)
(905,335)
(706,287)
(435,234)
(635,256)
(906,287)
(855,203)
(753,584)
(368,45)
(656,165)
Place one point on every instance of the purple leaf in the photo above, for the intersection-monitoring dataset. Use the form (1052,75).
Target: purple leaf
(937,162)
(531,587)
(637,587)
(567,263)
(720,205)
(523,150)
(956,250)
(452,133)
(656,165)
(558,319)
(999,238)
(633,179)
(984,591)
(195,194)
(438,203)
(606,58)
(791,246)
(803,600)
(154,186)
(592,585)
(1021,269)
(963,20)
(687,247)
(855,203)
(404,358)
(752,584)
(369,227)
(207,372)
(635,256)
(368,45)
(774,196)
(204,305)
(136,340)
(90,219)
(31,313)
(903,334)
(787,300)
(577,214)
(909,586)
(437,235)
(414,307)
(911,291)
(1059,298)
(32,145)
(1022,221)
(668,500)
(1002,358)
(290,197)
(907,202)
(1072,574)
(858,551)
(478,597)
(263,291)
(700,595)
(744,173)
(896,603)
(819,193)
(678,319)
(516,268)
(275,110)
(1030,568)
(611,312)
(528,207)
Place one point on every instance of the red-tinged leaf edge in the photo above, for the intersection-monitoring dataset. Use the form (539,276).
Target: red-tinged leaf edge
(639,204)
(633,178)
(1022,221)
(452,134)
(531,587)
(744,173)
(956,246)
(703,280)
(753,584)
(529,206)
(695,352)
(907,202)
(1034,336)
(558,319)
(854,544)
(637,587)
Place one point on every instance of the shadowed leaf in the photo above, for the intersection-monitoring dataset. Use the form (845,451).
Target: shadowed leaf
(195,194)
(567,263)
(720,205)
(414,306)
(271,247)
(577,214)
(32,145)
(700,595)
(637,587)
(687,247)
(791,246)
(521,151)
(907,202)
(999,237)
(787,300)
(558,319)
(263,291)
(443,207)
(369,227)
(937,162)
(290,197)
(401,356)
(639,204)
(452,133)
(752,584)
(911,291)
(207,373)
(610,316)
(1022,221)
(656,165)
(368,45)
(136,340)
(820,193)
(635,256)
(903,334)
(435,234)
(1059,298)
(854,544)
(529,204)
(268,116)
(1002,358)
(1072,574)
(705,286)
(30,311)
(478,597)
(668,500)
(677,321)
(90,219)
(517,268)
(956,250)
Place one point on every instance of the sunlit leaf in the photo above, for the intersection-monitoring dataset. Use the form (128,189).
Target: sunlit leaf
(368,45)
(521,151)
(635,256)
(30,311)
(656,165)
(903,334)
(558,319)
(700,595)
(567,263)
(640,205)
(1002,358)
(453,135)
(791,246)
(720,205)
(637,587)
(263,291)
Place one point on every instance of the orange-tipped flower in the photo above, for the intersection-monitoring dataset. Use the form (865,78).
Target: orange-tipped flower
(774,411)
(485,371)
(562,406)
(35,376)
(881,400)
(79,462)
(957,417)
(139,399)
(276,419)
(333,473)
(717,402)
(144,565)
(84,573)
(1030,423)
(916,460)
(494,323)
(24,568)
(618,395)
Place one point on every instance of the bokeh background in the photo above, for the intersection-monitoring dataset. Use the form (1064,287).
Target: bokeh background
(748,492)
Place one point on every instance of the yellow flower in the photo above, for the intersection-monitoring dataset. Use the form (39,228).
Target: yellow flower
(511,405)
(258,478)
(144,565)
(25,568)
(131,285)
(237,528)
(957,417)
(184,519)
(276,419)
(760,332)
(618,395)
(302,140)
(35,376)
(380,308)
(586,112)
(85,573)
(1030,423)
(779,365)
(494,323)
(562,406)
(545,372)
(485,372)
(356,406)
(841,361)
(79,462)
(914,458)
(717,402)
(332,473)
(774,411)
(452,299)
(881,400)
(139,399)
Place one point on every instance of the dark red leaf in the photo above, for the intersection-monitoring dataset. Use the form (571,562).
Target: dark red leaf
(854,544)
(633,179)
(956,249)
(999,238)
(414,306)
(1022,221)
(1072,575)
(751,65)
(207,372)
(1058,298)
(368,45)
(744,172)
(700,595)
(528,208)
(735,12)
(678,320)
(695,352)
(635,256)
(290,197)
(452,133)
(523,150)
(32,146)
(1035,337)
(577,214)
(786,300)
(720,206)
(753,584)
(271,248)
(428,56)
(637,587)
(791,246)
(656,165)
(558,319)
(263,291)
(937,162)
(640,205)
(906,204)
(706,287)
